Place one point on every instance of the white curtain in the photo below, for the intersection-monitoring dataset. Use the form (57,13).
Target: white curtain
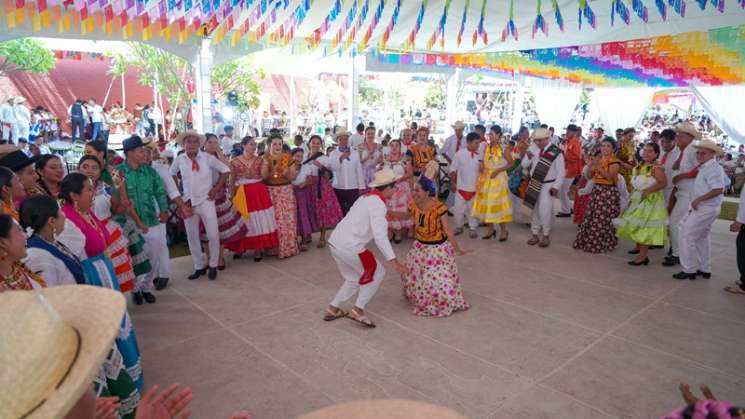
(622,107)
(726,107)
(555,105)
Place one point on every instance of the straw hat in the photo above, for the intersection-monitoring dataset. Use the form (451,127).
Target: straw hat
(389,409)
(52,344)
(709,145)
(688,128)
(18,100)
(540,134)
(189,133)
(341,132)
(459,125)
(383,177)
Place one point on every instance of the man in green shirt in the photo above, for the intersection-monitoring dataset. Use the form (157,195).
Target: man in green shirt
(147,195)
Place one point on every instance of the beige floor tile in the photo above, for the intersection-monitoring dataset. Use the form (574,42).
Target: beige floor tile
(540,402)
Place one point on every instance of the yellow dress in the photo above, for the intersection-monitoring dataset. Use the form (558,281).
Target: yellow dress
(492,202)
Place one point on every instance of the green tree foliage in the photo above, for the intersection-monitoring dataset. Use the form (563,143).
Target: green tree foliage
(240,76)
(436,94)
(25,54)
(370,94)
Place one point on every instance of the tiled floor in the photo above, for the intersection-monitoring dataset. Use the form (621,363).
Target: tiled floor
(552,333)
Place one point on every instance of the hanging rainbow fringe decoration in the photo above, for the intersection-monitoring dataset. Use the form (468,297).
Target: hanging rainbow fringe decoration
(662,8)
(586,11)
(480,31)
(463,22)
(389,29)
(640,9)
(557,14)
(510,28)
(368,34)
(345,25)
(410,42)
(540,23)
(314,40)
(618,6)
(719,4)
(679,6)
(440,30)
(356,27)
(701,4)
(286,31)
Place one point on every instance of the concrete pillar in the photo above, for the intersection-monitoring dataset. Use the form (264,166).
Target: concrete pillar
(517,110)
(451,102)
(202,109)
(353,88)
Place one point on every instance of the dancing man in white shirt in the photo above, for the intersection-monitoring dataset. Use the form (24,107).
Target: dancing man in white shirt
(349,178)
(22,115)
(359,267)
(706,203)
(455,142)
(7,118)
(196,167)
(464,171)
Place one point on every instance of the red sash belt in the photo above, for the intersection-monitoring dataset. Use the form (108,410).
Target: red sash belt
(466,195)
(369,266)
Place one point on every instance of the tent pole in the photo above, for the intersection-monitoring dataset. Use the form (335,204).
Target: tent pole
(354,90)
(202,109)
(124,94)
(106,98)
(451,103)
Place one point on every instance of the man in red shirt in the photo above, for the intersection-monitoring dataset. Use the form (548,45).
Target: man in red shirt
(573,165)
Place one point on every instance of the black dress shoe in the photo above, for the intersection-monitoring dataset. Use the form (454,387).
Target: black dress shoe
(137,298)
(644,262)
(197,273)
(161,284)
(683,275)
(564,215)
(705,275)
(237,256)
(671,261)
(149,298)
(653,247)
(634,252)
(212,273)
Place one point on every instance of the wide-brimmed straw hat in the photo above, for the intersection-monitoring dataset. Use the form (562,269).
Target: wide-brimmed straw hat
(688,128)
(189,133)
(341,132)
(18,100)
(383,177)
(459,125)
(52,344)
(389,409)
(540,134)
(709,145)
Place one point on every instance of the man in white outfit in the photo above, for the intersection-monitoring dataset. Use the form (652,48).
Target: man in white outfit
(706,203)
(684,173)
(22,116)
(7,119)
(362,272)
(545,164)
(349,179)
(196,167)
(464,171)
(668,157)
(455,142)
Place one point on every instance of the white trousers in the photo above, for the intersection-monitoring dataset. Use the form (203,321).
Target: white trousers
(462,212)
(566,203)
(153,248)
(163,254)
(351,270)
(543,213)
(695,230)
(6,132)
(20,131)
(682,205)
(207,214)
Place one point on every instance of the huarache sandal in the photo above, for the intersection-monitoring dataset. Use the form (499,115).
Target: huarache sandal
(321,244)
(361,319)
(734,290)
(331,315)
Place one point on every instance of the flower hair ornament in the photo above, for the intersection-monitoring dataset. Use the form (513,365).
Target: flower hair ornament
(29,231)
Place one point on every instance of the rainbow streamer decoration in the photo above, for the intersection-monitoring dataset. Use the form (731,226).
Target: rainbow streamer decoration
(480,31)
(640,9)
(662,8)
(314,40)
(510,28)
(410,42)
(618,6)
(286,31)
(586,11)
(345,25)
(356,27)
(463,22)
(440,30)
(392,24)
(679,6)
(540,22)
(701,4)
(557,14)
(368,34)
(719,4)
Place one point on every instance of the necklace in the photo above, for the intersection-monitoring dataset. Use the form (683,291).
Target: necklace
(88,220)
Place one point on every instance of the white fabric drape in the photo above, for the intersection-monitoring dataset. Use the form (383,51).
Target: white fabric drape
(622,107)
(555,105)
(726,107)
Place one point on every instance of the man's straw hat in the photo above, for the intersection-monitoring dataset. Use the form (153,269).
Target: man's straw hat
(709,145)
(389,409)
(688,128)
(540,134)
(52,344)
(383,177)
(190,133)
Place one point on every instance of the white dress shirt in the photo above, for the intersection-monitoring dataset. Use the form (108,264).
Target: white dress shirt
(669,158)
(555,173)
(710,176)
(451,146)
(95,111)
(305,171)
(365,222)
(467,167)
(51,268)
(687,163)
(22,114)
(348,174)
(168,183)
(226,144)
(6,114)
(197,184)
(356,140)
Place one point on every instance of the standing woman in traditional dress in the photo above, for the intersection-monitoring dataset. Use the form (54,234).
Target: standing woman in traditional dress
(371,155)
(433,285)
(229,222)
(626,154)
(10,191)
(328,210)
(645,220)
(304,187)
(492,204)
(51,171)
(117,244)
(252,201)
(399,202)
(278,170)
(422,152)
(596,233)
(85,236)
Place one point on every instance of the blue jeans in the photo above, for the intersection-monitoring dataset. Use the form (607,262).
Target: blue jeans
(78,128)
(95,130)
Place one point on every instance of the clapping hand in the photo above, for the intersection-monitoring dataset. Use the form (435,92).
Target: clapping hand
(169,404)
(107,407)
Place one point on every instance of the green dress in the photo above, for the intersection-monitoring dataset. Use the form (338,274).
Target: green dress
(113,380)
(644,221)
